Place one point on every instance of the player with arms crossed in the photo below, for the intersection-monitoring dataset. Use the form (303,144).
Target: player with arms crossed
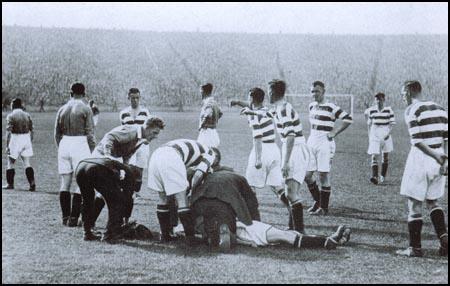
(380,119)
(209,117)
(19,135)
(264,162)
(322,116)
(74,136)
(426,167)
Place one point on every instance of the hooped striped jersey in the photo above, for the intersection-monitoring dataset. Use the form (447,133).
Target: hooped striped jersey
(193,154)
(383,117)
(323,116)
(127,118)
(287,122)
(209,114)
(262,126)
(427,123)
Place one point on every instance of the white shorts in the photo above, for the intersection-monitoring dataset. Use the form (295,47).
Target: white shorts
(209,137)
(140,157)
(254,234)
(322,153)
(72,149)
(167,172)
(377,144)
(298,161)
(20,145)
(421,179)
(270,172)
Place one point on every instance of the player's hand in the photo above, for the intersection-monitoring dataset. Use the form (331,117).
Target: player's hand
(387,137)
(443,171)
(258,164)
(285,171)
(331,136)
(122,174)
(247,111)
(441,158)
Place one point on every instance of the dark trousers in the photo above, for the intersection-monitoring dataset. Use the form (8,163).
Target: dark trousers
(92,176)
(214,212)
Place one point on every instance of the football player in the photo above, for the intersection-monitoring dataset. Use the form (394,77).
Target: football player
(322,116)
(75,141)
(19,135)
(264,162)
(380,119)
(209,117)
(167,175)
(426,167)
(225,207)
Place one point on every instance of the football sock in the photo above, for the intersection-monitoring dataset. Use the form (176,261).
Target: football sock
(314,190)
(76,206)
(162,212)
(384,168)
(99,204)
(311,241)
(297,216)
(325,197)
(415,230)
(173,210)
(10,176)
(29,172)
(64,200)
(186,219)
(375,171)
(438,220)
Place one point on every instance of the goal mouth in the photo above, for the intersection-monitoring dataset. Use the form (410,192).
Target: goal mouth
(301,101)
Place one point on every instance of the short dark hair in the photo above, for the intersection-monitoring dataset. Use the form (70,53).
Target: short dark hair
(16,103)
(133,90)
(257,94)
(153,122)
(207,88)
(319,83)
(78,88)
(380,94)
(413,86)
(278,86)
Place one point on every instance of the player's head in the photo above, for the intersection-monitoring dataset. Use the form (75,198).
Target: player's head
(318,91)
(411,89)
(380,98)
(206,90)
(16,103)
(218,157)
(134,96)
(151,128)
(277,88)
(256,96)
(77,90)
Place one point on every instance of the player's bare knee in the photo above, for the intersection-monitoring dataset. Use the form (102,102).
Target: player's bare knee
(414,207)
(374,160)
(324,181)
(431,204)
(162,199)
(309,178)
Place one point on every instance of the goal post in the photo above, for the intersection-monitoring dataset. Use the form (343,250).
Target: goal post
(301,101)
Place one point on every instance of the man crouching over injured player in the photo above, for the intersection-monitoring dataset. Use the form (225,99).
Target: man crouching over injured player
(116,182)
(226,210)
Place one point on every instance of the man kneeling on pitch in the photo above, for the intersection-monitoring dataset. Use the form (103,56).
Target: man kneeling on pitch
(116,183)
(224,196)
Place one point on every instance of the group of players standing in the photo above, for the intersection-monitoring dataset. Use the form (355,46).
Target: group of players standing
(123,153)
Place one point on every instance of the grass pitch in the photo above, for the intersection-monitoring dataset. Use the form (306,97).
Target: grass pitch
(36,248)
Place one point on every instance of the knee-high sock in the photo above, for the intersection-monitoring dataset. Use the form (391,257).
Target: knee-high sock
(76,206)
(314,190)
(99,204)
(325,197)
(162,212)
(64,200)
(10,176)
(187,220)
(283,198)
(438,220)
(310,241)
(415,230)
(297,216)
(375,170)
(29,172)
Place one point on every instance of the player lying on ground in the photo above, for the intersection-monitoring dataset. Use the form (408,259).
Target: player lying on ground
(228,208)
(380,119)
(116,183)
(264,161)
(426,166)
(19,135)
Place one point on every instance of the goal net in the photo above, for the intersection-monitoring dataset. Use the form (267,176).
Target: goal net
(301,101)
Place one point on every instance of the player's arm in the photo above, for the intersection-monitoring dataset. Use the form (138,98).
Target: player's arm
(289,146)
(369,122)
(9,125)
(391,123)
(346,122)
(89,129)
(58,130)
(31,128)
(441,158)
(239,103)
(257,142)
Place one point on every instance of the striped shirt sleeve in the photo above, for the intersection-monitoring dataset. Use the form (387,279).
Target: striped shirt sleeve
(367,114)
(391,116)
(288,119)
(413,127)
(206,161)
(341,114)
